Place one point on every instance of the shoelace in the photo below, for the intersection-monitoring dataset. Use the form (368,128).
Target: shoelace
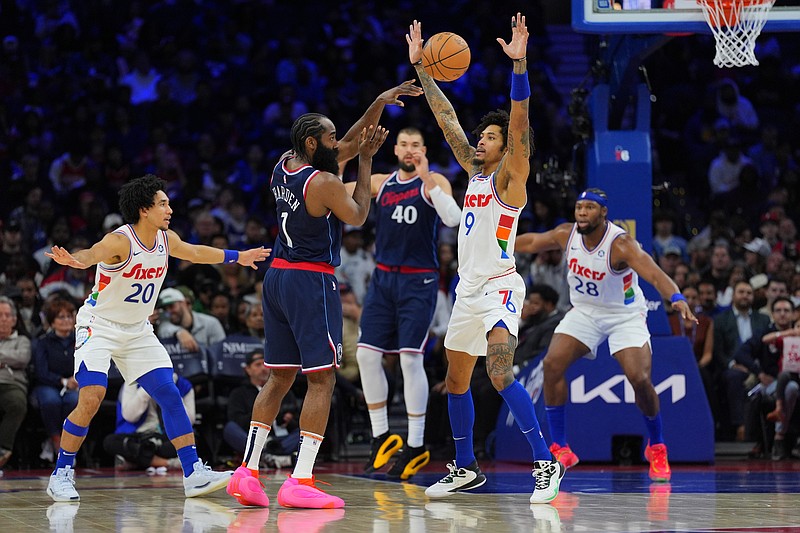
(543,476)
(65,481)
(454,472)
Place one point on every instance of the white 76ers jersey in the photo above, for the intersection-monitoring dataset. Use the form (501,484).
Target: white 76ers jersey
(592,280)
(127,292)
(486,235)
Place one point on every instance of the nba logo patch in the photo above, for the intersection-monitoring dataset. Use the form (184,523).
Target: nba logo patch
(339,354)
(82,335)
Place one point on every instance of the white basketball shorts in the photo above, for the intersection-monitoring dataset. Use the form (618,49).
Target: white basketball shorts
(591,326)
(134,347)
(475,315)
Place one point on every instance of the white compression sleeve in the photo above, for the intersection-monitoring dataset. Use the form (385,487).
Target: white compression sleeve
(446,207)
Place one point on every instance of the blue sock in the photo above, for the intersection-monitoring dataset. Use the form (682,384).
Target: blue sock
(556,416)
(462,418)
(520,404)
(188,457)
(653,424)
(65,459)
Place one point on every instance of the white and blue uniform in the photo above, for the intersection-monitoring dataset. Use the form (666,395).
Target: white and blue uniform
(113,321)
(489,289)
(606,303)
(401,298)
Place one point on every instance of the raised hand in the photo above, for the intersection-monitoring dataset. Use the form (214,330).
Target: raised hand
(370,140)
(63,257)
(421,166)
(414,40)
(252,256)
(392,96)
(517,48)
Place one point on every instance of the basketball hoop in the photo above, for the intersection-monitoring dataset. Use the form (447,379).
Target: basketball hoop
(736,24)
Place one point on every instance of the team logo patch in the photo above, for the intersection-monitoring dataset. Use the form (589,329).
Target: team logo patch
(82,335)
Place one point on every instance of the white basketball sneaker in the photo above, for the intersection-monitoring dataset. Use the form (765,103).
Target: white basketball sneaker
(62,485)
(204,480)
(548,476)
(458,480)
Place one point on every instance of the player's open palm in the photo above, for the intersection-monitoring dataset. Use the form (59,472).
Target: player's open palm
(63,257)
(414,40)
(370,140)
(392,96)
(517,48)
(252,256)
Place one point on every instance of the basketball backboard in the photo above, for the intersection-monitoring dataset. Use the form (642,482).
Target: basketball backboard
(649,16)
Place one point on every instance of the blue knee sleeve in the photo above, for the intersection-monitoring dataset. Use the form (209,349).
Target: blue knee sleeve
(159,385)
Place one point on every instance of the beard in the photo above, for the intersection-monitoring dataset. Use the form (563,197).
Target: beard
(326,159)
(588,229)
(407,167)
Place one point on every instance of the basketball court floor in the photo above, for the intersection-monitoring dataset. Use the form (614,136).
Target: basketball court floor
(752,496)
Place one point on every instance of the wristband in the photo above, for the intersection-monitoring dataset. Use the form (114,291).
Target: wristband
(677,297)
(520,87)
(231,256)
(417,63)
(523,58)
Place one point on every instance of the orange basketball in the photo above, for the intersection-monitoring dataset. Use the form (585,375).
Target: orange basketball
(445,56)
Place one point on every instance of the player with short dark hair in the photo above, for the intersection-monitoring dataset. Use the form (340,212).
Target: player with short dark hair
(113,324)
(490,292)
(604,264)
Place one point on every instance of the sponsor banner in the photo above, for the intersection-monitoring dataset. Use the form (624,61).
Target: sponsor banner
(602,406)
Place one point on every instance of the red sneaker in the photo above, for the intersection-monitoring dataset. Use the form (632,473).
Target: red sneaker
(303,493)
(564,455)
(659,465)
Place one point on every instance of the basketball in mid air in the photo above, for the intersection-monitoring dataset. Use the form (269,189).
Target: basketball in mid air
(445,56)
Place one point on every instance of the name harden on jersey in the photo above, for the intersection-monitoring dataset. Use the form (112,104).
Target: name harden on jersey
(477,200)
(282,193)
(137,272)
(585,272)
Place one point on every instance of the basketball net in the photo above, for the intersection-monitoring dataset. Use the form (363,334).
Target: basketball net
(736,24)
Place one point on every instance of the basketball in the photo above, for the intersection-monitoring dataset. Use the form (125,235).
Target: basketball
(445,56)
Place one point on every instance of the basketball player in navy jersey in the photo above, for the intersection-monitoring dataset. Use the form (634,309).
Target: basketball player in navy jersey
(490,293)
(113,324)
(302,307)
(604,268)
(401,299)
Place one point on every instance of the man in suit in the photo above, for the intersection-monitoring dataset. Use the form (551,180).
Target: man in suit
(732,328)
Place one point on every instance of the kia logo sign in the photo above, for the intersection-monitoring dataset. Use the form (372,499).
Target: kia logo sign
(605,391)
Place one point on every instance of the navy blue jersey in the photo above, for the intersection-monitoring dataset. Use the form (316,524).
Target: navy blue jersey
(302,237)
(406,225)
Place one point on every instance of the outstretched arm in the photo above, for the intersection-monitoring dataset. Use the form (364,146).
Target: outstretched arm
(111,249)
(439,104)
(207,255)
(512,174)
(532,243)
(626,249)
(348,145)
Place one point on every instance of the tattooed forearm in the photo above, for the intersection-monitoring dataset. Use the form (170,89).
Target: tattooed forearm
(446,118)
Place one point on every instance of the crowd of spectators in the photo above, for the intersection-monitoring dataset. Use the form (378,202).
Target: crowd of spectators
(203,94)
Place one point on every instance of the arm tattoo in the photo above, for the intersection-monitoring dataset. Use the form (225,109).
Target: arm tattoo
(446,118)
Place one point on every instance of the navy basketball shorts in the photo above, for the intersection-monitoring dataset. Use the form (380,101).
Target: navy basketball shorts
(302,320)
(398,311)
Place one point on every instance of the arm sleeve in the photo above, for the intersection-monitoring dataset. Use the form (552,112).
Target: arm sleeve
(446,207)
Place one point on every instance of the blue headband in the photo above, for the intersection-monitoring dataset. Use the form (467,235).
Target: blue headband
(594,197)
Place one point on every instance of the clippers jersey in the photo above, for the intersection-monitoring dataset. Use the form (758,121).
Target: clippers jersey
(127,292)
(302,237)
(592,280)
(486,235)
(406,224)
